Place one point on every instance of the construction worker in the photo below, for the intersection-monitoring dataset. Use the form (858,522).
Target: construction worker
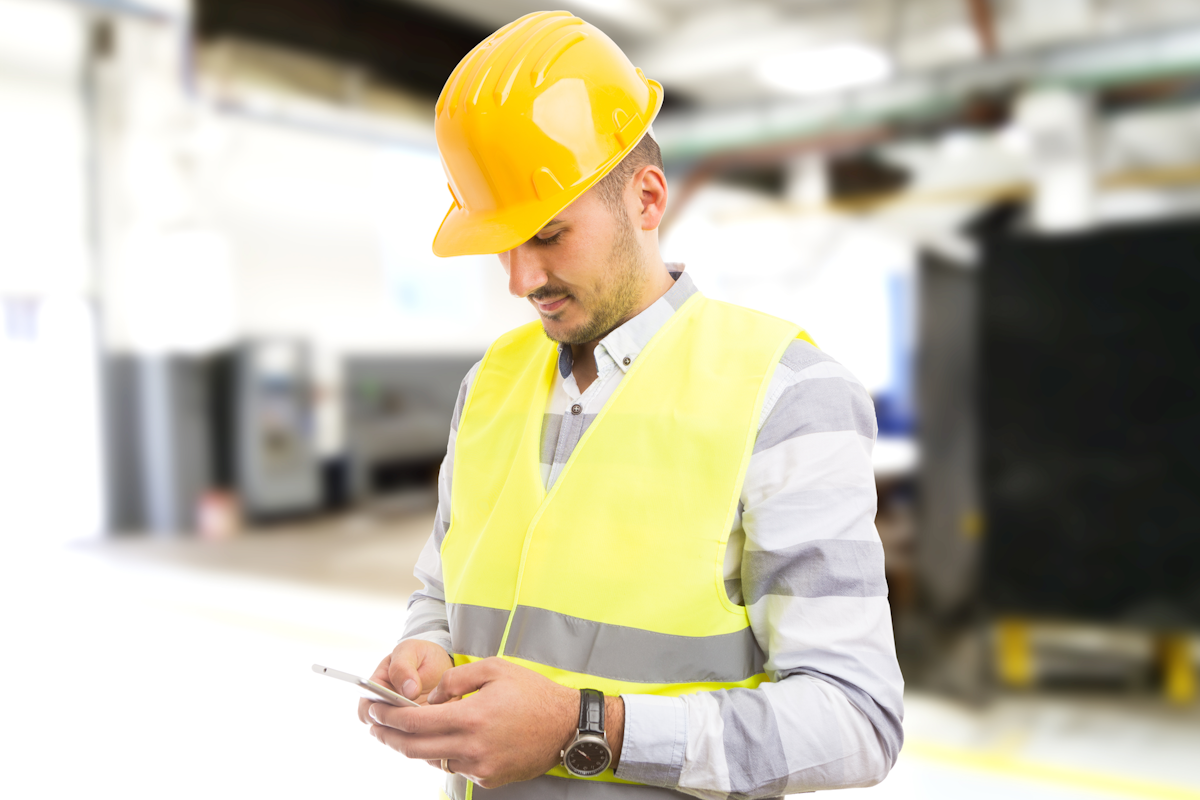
(654,568)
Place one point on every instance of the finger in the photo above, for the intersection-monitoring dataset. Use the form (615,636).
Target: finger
(426,721)
(434,662)
(380,675)
(461,681)
(426,748)
(363,705)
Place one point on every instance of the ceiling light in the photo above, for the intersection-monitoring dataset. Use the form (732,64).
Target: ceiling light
(827,69)
(635,15)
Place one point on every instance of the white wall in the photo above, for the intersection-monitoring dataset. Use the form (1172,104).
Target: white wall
(50,470)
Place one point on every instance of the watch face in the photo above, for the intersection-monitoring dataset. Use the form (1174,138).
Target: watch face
(588,757)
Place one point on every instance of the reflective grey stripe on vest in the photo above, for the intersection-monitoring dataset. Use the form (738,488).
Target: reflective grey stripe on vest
(550,787)
(607,651)
(476,630)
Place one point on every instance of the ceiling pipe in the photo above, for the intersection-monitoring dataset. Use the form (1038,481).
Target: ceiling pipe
(857,120)
(931,97)
(704,171)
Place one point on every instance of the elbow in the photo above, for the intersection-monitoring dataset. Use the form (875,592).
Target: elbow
(889,739)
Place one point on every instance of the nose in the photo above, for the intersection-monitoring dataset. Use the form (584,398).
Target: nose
(525,273)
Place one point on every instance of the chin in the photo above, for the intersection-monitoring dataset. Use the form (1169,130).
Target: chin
(553,331)
(558,330)
(561,333)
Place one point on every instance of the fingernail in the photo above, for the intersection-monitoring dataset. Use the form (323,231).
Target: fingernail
(410,689)
(371,713)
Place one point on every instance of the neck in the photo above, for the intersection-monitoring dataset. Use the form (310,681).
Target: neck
(583,356)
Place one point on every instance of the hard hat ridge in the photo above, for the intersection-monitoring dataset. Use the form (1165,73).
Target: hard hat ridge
(530,119)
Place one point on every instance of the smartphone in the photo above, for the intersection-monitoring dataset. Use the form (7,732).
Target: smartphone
(369,689)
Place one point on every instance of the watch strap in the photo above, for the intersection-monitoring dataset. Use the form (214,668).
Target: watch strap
(591,711)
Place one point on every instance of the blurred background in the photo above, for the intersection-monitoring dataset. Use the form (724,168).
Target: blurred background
(228,361)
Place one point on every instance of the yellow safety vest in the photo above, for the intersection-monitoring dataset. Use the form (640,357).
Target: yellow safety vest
(613,580)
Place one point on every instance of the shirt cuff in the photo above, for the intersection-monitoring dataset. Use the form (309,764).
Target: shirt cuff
(655,739)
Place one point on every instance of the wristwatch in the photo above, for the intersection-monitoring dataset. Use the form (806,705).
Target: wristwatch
(588,753)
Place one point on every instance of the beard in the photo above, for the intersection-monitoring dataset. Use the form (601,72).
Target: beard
(617,295)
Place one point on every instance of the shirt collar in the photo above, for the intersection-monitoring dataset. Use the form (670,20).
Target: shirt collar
(624,343)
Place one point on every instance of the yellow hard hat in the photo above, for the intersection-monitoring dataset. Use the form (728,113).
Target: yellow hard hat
(529,120)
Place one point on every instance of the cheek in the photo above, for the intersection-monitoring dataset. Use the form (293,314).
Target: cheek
(583,268)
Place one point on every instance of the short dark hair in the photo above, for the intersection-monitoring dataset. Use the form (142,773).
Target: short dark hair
(612,186)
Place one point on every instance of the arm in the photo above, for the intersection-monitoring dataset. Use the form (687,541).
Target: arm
(413,660)
(427,618)
(812,579)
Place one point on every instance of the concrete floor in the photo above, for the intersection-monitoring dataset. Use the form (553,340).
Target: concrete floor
(142,668)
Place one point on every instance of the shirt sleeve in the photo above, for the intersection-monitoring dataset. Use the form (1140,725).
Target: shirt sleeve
(427,617)
(813,584)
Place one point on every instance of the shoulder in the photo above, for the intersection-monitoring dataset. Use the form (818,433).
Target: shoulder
(811,392)
(464,389)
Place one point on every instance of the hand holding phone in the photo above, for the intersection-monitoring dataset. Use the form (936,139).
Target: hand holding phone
(368,688)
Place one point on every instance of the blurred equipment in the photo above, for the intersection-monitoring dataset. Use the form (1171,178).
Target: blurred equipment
(197,442)
(1091,375)
(529,121)
(398,411)
(264,431)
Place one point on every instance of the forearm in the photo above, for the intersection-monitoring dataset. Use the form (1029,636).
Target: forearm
(797,735)
(614,727)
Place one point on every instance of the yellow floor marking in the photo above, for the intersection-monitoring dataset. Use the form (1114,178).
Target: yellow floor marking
(1009,765)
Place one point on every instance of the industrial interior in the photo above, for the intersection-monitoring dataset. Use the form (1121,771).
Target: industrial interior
(229,360)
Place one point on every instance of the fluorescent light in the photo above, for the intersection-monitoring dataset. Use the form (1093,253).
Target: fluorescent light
(824,70)
(637,16)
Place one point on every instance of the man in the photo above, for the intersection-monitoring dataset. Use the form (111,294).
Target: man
(654,560)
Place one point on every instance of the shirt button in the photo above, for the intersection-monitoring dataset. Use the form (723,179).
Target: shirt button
(626,360)
(577,409)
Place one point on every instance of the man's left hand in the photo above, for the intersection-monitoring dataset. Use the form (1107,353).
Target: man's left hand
(512,728)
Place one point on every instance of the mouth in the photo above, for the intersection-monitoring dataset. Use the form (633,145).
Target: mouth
(551,306)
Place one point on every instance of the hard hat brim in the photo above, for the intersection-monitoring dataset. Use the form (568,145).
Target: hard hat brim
(465,234)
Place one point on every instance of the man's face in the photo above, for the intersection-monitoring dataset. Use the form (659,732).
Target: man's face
(584,272)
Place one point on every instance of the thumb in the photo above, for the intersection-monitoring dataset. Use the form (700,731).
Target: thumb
(462,680)
(404,674)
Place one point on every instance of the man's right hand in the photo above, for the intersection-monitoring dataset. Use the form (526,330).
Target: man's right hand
(413,669)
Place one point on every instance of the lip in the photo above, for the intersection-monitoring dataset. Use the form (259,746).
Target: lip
(551,307)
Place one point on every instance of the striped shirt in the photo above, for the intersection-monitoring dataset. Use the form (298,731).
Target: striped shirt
(803,557)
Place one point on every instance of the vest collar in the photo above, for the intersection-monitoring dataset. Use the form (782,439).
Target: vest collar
(628,340)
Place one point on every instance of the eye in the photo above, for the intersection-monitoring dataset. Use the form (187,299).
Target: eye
(548,240)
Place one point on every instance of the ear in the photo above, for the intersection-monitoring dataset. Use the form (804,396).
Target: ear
(651,187)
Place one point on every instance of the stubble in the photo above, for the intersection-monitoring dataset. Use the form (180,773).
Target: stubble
(618,294)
